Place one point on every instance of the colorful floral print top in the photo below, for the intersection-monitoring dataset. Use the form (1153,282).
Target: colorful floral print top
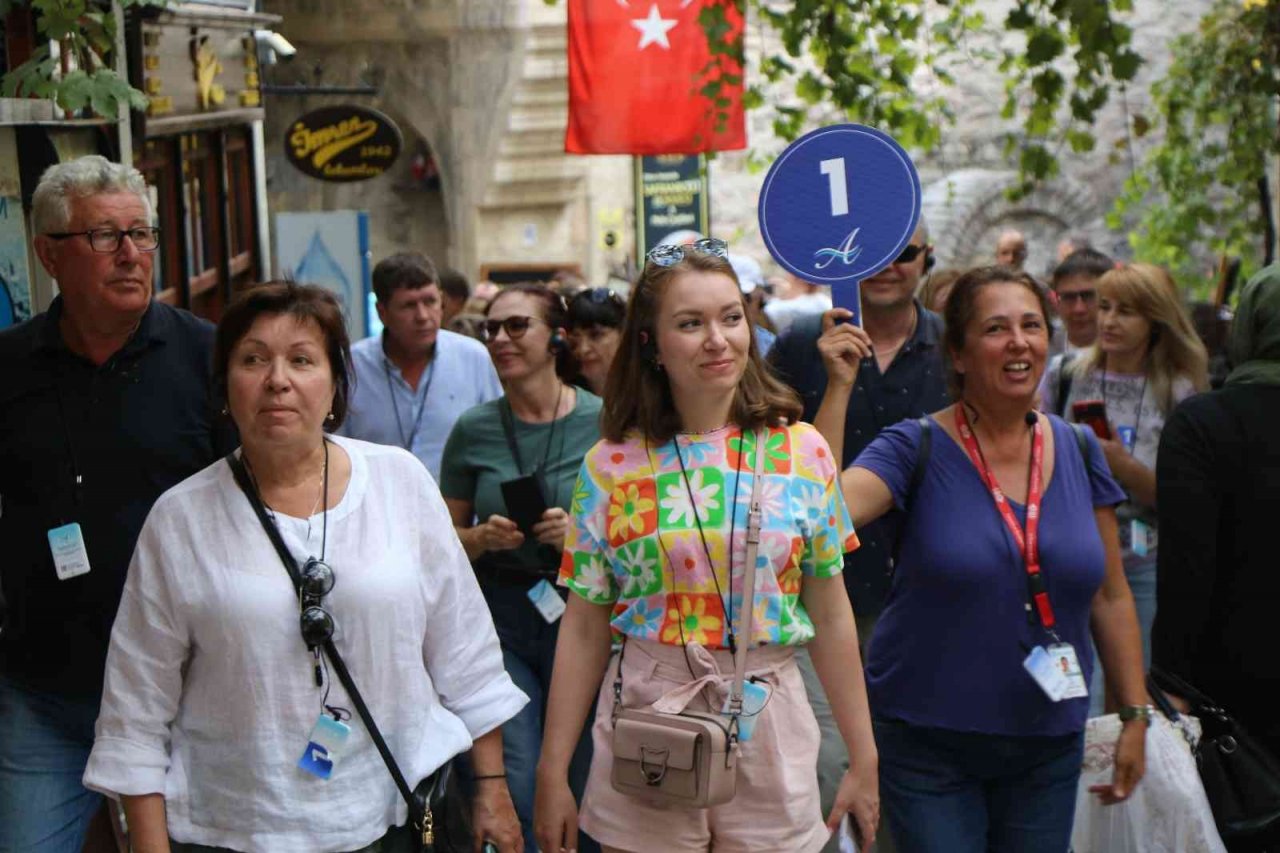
(634,541)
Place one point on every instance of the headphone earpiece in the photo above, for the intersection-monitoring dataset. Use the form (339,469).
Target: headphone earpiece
(556,343)
(929,260)
(649,350)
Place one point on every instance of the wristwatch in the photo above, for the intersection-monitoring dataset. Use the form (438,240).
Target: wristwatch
(1136,712)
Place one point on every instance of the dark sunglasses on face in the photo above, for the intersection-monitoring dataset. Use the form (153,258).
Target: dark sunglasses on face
(1086,297)
(909,254)
(515,327)
(316,623)
(668,256)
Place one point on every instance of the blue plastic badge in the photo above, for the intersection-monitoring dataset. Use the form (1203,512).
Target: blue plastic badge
(839,205)
(324,747)
(1128,437)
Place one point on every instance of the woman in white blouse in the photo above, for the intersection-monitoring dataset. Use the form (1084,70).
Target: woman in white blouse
(211,694)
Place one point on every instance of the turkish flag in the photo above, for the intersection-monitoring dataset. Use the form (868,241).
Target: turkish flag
(638,78)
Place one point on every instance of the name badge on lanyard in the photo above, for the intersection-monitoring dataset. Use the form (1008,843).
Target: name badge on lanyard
(1055,668)
(70,558)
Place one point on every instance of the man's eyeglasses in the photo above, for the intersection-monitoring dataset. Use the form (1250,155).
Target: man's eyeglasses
(909,254)
(515,327)
(317,624)
(104,241)
(669,256)
(1084,297)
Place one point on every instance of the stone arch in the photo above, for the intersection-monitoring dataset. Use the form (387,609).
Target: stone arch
(966,209)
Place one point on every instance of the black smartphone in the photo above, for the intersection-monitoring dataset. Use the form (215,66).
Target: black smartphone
(1093,414)
(525,502)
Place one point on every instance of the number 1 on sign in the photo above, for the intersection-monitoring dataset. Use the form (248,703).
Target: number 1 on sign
(834,170)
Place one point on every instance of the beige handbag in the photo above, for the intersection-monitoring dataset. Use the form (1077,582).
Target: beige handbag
(690,759)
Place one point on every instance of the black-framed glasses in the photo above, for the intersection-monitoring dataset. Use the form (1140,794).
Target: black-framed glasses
(316,623)
(909,254)
(104,241)
(669,256)
(515,326)
(1085,297)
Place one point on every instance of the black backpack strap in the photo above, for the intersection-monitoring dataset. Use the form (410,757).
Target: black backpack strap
(1064,386)
(1082,441)
(922,461)
(917,475)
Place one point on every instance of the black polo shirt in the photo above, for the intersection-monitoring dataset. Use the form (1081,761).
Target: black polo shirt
(915,385)
(131,428)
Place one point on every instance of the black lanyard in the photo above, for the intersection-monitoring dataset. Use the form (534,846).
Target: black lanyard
(509,430)
(407,441)
(1142,397)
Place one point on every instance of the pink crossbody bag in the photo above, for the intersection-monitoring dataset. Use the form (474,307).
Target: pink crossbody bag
(690,759)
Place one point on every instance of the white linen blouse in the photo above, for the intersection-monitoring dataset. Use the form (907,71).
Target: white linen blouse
(210,694)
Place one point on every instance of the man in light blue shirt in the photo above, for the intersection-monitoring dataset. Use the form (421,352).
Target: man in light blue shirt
(415,379)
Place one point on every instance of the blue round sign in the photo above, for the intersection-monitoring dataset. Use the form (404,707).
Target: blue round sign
(839,204)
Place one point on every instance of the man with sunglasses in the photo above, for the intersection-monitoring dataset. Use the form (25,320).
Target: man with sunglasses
(1075,296)
(104,404)
(415,379)
(904,379)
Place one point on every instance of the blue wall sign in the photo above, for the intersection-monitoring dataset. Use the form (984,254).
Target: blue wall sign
(839,205)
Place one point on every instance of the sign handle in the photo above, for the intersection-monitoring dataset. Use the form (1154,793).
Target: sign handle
(849,296)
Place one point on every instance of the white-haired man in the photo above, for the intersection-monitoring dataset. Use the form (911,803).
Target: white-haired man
(104,405)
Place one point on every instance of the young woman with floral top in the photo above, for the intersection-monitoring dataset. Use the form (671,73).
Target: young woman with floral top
(655,554)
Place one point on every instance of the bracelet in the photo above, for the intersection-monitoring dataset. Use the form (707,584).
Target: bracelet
(490,776)
(1136,712)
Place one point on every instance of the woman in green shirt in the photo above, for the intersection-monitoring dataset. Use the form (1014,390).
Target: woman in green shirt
(526,446)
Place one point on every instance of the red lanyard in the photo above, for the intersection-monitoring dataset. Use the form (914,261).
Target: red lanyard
(1029,542)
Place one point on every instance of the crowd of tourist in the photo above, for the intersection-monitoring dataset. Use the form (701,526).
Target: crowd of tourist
(262,582)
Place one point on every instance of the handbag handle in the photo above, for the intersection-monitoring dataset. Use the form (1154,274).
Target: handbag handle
(417,809)
(749,581)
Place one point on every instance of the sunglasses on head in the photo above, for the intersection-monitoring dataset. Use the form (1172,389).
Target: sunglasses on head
(909,254)
(668,255)
(515,326)
(316,623)
(598,296)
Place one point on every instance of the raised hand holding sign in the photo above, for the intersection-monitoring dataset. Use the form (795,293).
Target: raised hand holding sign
(838,206)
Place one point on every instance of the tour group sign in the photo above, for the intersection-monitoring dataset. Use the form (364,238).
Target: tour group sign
(839,205)
(343,143)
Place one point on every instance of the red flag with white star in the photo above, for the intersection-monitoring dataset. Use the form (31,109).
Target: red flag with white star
(638,78)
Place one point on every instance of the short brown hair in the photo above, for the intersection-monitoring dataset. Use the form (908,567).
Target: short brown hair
(963,301)
(554,313)
(302,302)
(637,395)
(403,269)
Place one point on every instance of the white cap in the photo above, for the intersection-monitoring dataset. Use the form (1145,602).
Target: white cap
(750,276)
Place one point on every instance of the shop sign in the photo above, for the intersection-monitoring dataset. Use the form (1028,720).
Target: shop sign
(343,143)
(673,197)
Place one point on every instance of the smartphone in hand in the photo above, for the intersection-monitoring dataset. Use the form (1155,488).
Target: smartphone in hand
(525,502)
(1093,414)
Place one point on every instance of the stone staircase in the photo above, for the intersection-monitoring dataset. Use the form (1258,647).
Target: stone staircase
(532,169)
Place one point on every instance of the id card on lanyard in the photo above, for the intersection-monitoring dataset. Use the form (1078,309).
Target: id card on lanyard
(1057,683)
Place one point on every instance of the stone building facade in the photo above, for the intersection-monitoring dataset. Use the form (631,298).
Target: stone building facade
(479,89)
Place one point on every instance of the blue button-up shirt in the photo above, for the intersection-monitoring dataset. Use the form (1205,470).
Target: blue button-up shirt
(386,410)
(914,385)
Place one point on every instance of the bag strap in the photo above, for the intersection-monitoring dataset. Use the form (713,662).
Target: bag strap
(417,809)
(748,580)
(1065,378)
(923,452)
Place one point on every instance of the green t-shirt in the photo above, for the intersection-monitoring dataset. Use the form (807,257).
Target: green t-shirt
(477,460)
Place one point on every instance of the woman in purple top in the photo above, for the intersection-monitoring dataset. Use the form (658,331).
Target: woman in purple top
(977,670)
